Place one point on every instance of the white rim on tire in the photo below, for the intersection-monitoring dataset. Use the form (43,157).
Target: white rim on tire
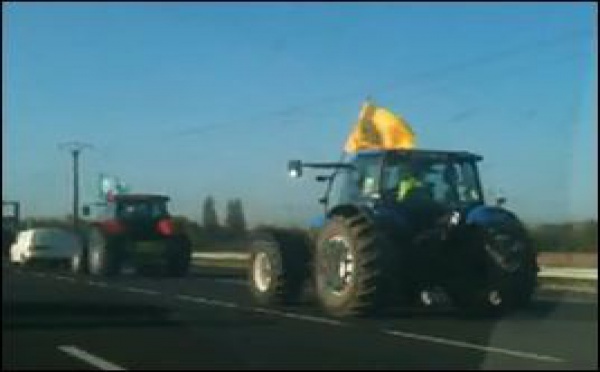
(495,298)
(346,269)
(426,298)
(340,272)
(262,272)
(76,262)
(95,260)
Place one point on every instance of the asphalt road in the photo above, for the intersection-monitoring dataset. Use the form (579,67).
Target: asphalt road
(53,320)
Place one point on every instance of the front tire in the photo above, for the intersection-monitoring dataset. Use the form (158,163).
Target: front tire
(353,267)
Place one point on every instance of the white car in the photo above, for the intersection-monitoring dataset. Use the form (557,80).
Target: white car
(44,244)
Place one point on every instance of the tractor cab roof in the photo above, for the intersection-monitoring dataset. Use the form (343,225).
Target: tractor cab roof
(424,154)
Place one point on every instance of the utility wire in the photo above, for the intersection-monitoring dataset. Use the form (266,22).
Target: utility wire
(423,78)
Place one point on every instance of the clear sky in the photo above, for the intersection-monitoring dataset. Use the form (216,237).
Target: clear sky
(197,99)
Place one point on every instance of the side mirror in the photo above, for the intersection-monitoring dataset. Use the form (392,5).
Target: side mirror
(85,210)
(295,168)
(500,200)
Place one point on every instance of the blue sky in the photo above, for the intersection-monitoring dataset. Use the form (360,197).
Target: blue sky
(197,99)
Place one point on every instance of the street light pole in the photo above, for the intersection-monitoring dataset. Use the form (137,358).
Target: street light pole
(75,148)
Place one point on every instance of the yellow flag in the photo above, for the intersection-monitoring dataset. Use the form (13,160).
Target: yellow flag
(379,128)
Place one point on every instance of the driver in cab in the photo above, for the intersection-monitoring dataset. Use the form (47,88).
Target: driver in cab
(412,182)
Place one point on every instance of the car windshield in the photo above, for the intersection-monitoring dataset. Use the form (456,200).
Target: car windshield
(447,182)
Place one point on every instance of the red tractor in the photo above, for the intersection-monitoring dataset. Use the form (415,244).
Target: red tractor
(134,229)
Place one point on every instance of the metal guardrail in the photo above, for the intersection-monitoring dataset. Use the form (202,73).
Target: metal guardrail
(568,273)
(545,271)
(241,256)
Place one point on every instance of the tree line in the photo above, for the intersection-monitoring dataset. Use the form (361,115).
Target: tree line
(566,237)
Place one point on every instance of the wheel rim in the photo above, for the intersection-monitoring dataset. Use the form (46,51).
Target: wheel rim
(336,265)
(495,298)
(76,262)
(95,254)
(262,271)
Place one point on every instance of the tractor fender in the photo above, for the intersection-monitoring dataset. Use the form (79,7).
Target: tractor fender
(347,210)
(494,218)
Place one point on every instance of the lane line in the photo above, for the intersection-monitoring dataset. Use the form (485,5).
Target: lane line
(468,345)
(67,278)
(90,359)
(207,301)
(431,339)
(140,290)
(309,318)
(315,319)
(97,284)
(323,320)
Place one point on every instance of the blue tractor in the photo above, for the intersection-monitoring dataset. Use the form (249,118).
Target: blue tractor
(399,227)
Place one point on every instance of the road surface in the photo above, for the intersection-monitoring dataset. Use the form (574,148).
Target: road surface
(54,320)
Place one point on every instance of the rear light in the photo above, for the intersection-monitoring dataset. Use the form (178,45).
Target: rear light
(113,227)
(165,227)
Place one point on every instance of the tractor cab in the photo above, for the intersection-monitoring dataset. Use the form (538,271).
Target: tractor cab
(425,184)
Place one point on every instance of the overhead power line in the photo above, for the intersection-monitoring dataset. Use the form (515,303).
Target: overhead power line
(419,78)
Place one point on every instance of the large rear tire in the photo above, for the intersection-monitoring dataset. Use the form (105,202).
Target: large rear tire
(279,266)
(353,267)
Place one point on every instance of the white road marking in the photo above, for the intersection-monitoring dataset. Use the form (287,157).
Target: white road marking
(97,284)
(207,301)
(90,359)
(311,318)
(67,278)
(323,320)
(140,290)
(468,345)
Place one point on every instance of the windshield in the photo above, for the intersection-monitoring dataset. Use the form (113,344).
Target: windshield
(141,209)
(447,182)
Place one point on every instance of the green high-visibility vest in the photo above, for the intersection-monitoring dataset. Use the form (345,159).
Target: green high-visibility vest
(407,185)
